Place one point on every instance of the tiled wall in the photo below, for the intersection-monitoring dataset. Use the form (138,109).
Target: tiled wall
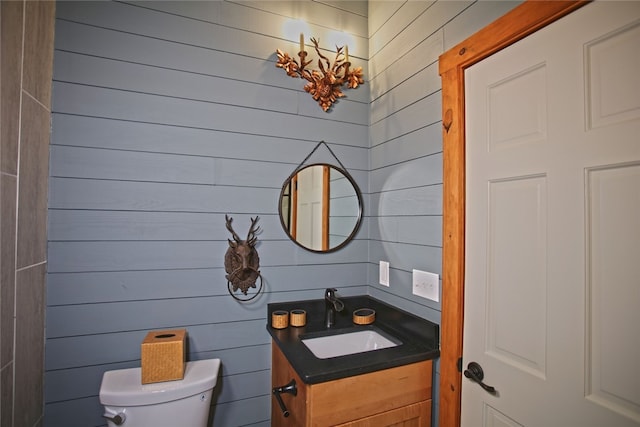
(27,54)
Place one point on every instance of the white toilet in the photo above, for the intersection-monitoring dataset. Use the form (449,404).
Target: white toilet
(186,402)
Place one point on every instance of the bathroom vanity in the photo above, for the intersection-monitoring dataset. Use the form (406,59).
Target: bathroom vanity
(374,387)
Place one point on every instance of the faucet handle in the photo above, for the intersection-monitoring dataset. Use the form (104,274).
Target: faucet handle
(330,296)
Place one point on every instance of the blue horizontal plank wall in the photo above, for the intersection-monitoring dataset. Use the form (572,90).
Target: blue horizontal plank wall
(169,115)
(166,117)
(405,156)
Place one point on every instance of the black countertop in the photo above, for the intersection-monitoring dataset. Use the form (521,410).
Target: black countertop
(419,337)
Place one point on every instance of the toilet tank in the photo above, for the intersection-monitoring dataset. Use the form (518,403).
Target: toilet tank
(178,403)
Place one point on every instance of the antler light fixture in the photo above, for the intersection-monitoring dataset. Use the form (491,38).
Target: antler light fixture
(325,84)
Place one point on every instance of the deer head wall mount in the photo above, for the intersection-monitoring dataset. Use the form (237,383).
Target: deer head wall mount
(241,262)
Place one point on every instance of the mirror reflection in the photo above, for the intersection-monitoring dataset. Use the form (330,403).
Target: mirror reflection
(320,207)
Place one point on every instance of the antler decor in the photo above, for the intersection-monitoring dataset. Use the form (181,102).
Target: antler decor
(325,86)
(241,262)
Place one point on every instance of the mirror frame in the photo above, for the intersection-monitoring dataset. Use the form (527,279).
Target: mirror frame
(356,227)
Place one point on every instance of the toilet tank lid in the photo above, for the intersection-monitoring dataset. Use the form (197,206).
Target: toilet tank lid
(124,387)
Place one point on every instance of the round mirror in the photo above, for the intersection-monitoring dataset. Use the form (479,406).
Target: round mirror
(320,207)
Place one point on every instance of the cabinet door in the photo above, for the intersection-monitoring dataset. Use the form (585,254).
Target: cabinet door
(353,398)
(416,415)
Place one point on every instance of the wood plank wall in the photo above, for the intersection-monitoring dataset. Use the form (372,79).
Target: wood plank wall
(405,156)
(169,115)
(166,117)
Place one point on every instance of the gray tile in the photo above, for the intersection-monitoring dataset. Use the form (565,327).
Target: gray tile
(7,264)
(33,183)
(29,360)
(38,49)
(6,396)
(11,45)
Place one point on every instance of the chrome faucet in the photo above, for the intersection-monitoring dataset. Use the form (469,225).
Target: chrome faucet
(332,305)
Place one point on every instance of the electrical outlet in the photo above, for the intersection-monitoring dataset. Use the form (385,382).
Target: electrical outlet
(426,285)
(384,273)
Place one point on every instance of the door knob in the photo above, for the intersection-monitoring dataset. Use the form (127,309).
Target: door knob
(475,373)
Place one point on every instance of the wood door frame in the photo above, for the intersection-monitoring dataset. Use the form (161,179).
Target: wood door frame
(326,200)
(520,22)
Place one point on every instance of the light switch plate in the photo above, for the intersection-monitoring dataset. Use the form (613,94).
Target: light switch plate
(384,273)
(426,285)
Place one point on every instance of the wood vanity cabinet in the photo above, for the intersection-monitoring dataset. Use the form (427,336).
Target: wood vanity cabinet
(398,396)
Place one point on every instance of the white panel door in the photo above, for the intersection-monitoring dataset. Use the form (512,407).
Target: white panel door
(552,275)
(310,208)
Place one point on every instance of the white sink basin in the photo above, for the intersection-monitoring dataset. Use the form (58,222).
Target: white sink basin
(349,343)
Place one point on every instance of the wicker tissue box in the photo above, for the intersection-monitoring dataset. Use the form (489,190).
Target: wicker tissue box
(163,356)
